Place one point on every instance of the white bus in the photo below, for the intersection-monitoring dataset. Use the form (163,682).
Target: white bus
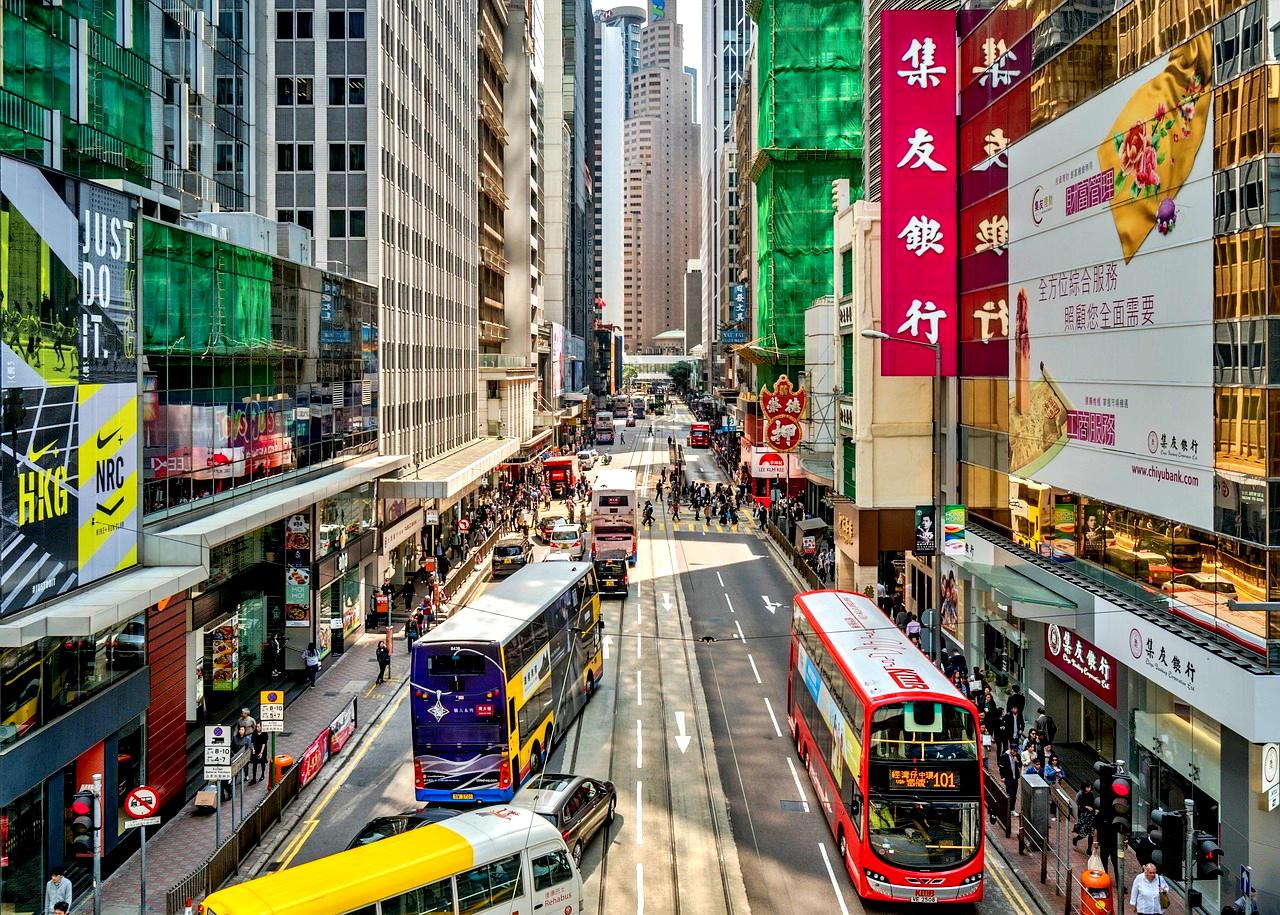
(604,428)
(614,512)
(493,861)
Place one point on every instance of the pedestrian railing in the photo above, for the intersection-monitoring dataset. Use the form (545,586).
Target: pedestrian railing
(806,572)
(225,861)
(999,809)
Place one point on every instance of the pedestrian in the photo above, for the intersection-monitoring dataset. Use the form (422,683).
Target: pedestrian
(275,648)
(59,907)
(246,720)
(1010,767)
(900,619)
(412,630)
(1046,725)
(1086,810)
(1150,894)
(1247,904)
(384,661)
(311,659)
(1014,705)
(258,758)
(57,890)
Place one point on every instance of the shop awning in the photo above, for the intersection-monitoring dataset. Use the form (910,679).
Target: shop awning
(187,543)
(448,476)
(533,446)
(102,605)
(811,524)
(1016,587)
(819,470)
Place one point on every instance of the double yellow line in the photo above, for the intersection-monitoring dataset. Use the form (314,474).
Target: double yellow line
(1008,885)
(309,826)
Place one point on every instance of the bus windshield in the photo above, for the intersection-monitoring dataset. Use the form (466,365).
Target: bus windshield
(923,731)
(925,834)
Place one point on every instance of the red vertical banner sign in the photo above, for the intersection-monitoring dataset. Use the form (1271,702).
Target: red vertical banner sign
(918,168)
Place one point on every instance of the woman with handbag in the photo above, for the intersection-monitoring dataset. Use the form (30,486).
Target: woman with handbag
(1150,894)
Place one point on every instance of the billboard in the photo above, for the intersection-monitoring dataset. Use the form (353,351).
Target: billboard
(557,360)
(69,480)
(1111,294)
(918,152)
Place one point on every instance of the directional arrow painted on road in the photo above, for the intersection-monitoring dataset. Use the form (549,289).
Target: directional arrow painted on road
(608,643)
(770,605)
(666,601)
(682,739)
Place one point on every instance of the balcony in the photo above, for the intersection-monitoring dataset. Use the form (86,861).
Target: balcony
(492,332)
(489,257)
(492,49)
(844,313)
(506,365)
(491,187)
(847,415)
(492,118)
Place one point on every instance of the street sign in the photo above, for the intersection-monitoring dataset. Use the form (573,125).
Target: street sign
(141,802)
(217,753)
(149,821)
(1270,766)
(1246,879)
(271,710)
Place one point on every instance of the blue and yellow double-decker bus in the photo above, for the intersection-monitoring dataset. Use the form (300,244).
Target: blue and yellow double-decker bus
(500,680)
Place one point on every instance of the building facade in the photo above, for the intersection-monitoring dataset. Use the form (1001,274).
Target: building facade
(660,231)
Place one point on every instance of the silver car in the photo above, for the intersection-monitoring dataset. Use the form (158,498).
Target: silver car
(578,807)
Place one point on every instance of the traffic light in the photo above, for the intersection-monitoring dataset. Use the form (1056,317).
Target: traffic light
(1168,834)
(1207,855)
(81,818)
(1102,791)
(1121,804)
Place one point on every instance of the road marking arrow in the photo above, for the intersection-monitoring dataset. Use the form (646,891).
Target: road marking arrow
(608,643)
(770,605)
(666,601)
(682,739)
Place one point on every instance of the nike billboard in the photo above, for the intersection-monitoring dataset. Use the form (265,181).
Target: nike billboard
(69,481)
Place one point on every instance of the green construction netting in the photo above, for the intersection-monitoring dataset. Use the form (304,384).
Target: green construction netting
(201,295)
(810,75)
(794,243)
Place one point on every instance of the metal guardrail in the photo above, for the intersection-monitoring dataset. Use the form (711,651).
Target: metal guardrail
(807,574)
(225,861)
(999,810)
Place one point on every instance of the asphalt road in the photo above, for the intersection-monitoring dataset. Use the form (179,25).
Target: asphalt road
(715,814)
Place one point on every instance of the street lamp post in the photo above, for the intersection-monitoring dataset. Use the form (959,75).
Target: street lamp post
(939,496)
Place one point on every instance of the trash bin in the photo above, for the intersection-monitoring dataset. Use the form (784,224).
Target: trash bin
(283,762)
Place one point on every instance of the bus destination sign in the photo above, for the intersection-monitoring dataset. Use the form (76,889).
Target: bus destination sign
(925,779)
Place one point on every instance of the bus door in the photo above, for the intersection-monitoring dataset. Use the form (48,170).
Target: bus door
(556,885)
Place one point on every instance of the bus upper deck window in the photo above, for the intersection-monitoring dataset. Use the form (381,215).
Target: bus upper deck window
(923,718)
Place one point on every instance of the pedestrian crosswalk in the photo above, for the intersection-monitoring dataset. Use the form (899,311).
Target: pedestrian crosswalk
(746,524)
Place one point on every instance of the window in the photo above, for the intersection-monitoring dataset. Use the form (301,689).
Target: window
(355,92)
(337,157)
(548,870)
(425,900)
(290,24)
(922,730)
(337,24)
(284,24)
(304,90)
(306,157)
(284,157)
(355,24)
(283,216)
(226,153)
(337,90)
(355,157)
(307,219)
(488,885)
(355,223)
(284,90)
(337,223)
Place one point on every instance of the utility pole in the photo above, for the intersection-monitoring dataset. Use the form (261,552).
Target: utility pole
(97,843)
(1188,858)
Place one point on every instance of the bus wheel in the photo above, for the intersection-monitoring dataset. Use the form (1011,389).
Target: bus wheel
(591,684)
(844,850)
(535,759)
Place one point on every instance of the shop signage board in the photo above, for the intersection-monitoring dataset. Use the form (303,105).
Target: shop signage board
(1082,661)
(271,710)
(1111,220)
(953,530)
(1230,694)
(1270,766)
(926,536)
(783,407)
(395,534)
(68,382)
(920,242)
(297,572)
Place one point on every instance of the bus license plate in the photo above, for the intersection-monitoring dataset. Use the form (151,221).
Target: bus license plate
(925,896)
(463,796)
(608,583)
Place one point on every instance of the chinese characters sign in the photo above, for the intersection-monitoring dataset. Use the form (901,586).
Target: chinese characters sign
(1082,661)
(918,156)
(1109,302)
(783,408)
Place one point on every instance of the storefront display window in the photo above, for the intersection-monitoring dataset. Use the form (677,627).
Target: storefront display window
(128,769)
(343,518)
(41,681)
(22,863)
(350,589)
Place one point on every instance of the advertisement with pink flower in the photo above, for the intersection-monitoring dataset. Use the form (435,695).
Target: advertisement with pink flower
(1111,277)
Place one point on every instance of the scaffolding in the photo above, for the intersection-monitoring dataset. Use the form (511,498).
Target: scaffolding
(809,110)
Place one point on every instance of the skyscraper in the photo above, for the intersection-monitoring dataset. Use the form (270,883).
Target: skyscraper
(617,58)
(726,41)
(660,156)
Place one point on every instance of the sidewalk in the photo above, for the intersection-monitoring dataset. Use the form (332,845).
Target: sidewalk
(186,840)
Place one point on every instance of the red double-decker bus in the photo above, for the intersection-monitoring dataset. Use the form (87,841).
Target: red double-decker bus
(892,749)
(700,435)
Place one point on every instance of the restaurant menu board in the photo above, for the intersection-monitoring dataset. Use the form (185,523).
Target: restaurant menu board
(226,656)
(297,572)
